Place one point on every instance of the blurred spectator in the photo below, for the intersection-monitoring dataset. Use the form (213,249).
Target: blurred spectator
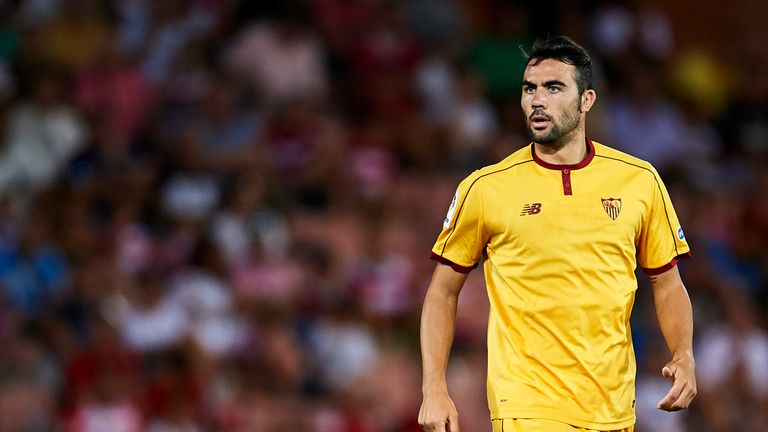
(100,350)
(385,61)
(43,133)
(220,139)
(202,290)
(303,148)
(436,23)
(174,399)
(29,379)
(163,29)
(497,55)
(372,162)
(247,226)
(102,385)
(343,22)
(390,395)
(113,88)
(224,137)
(387,46)
(437,81)
(385,282)
(735,352)
(344,349)
(473,122)
(153,321)
(621,27)
(702,83)
(644,123)
(74,34)
(282,60)
(107,407)
(33,271)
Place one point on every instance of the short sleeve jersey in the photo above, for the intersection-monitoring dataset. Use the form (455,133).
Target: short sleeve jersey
(561,244)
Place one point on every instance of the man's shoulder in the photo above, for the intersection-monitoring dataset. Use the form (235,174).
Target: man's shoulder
(605,152)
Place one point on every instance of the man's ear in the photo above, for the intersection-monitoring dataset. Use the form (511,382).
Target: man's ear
(587,100)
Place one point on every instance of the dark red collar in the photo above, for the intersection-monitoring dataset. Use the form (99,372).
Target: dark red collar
(587,159)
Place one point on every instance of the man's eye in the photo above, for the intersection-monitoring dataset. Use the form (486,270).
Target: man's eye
(529,90)
(554,89)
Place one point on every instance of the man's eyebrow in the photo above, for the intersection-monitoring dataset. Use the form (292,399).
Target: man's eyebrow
(554,83)
(549,83)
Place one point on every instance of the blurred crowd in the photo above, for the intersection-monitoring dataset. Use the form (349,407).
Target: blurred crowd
(216,215)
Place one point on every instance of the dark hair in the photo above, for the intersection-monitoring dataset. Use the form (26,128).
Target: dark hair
(564,49)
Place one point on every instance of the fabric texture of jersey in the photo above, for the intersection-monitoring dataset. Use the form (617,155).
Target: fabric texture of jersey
(561,245)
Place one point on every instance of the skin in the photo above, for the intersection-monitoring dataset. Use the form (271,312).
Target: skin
(555,114)
(673,311)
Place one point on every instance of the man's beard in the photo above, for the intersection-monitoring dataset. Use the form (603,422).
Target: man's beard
(559,130)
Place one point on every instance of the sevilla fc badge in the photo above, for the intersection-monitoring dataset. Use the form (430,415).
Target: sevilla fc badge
(612,206)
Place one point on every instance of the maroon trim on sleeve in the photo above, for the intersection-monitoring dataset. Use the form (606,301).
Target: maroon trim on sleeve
(453,265)
(662,269)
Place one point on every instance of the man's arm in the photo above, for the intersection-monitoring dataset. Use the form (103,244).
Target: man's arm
(438,322)
(673,310)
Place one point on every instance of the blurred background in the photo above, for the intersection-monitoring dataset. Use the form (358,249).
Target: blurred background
(216,215)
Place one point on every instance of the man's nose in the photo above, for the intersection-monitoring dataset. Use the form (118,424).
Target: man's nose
(538,101)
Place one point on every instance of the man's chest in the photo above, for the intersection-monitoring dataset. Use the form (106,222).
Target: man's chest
(601,213)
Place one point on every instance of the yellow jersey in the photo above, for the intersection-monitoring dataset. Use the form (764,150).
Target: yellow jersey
(561,243)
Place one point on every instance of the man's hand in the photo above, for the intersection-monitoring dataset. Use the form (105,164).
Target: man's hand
(682,374)
(438,413)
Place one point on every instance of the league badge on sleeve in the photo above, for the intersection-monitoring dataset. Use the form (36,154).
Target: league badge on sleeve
(451,210)
(680,233)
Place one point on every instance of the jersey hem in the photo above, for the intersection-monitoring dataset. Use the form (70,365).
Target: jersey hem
(556,416)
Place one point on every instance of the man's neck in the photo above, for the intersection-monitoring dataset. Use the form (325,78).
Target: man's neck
(570,153)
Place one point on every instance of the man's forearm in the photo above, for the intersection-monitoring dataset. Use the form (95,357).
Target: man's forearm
(674,313)
(673,310)
(438,325)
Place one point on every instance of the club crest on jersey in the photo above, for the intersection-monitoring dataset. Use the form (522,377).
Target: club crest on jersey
(612,206)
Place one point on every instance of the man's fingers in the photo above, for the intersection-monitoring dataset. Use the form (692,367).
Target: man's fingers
(433,424)
(682,402)
(433,427)
(667,372)
(453,423)
(671,397)
(438,414)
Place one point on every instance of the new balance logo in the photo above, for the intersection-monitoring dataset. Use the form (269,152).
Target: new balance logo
(531,209)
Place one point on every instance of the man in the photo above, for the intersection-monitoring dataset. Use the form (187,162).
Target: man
(563,224)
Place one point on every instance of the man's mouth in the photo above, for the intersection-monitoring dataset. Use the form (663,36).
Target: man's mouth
(539,121)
